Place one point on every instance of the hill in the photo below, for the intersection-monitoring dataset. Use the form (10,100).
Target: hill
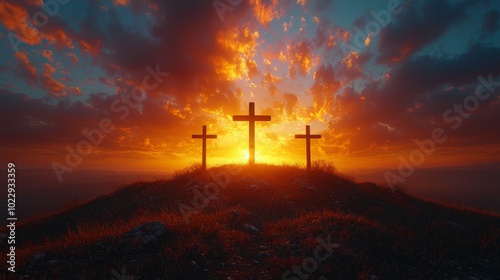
(264,222)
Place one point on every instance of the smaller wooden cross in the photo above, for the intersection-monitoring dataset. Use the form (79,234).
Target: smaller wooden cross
(204,138)
(308,136)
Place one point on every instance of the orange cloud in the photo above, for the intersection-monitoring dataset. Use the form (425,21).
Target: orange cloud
(73,57)
(303,3)
(58,37)
(270,82)
(90,47)
(323,92)
(240,46)
(368,40)
(291,101)
(25,66)
(300,59)
(48,54)
(121,2)
(54,87)
(265,13)
(349,60)
(74,90)
(15,19)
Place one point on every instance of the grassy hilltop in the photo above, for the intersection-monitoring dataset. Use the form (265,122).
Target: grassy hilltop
(264,222)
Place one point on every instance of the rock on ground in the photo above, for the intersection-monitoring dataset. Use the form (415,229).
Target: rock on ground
(147,232)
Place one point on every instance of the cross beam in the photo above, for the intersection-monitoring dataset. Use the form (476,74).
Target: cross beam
(204,136)
(308,136)
(251,118)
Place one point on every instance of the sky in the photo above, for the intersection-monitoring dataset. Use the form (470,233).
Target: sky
(123,84)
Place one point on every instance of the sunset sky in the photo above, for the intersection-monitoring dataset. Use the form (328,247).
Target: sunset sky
(369,76)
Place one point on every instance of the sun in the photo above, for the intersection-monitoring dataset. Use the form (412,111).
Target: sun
(246,155)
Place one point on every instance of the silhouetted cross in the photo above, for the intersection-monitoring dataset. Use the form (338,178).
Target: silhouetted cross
(251,119)
(204,137)
(308,138)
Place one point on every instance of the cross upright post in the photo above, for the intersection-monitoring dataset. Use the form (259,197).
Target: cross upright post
(308,136)
(204,136)
(251,118)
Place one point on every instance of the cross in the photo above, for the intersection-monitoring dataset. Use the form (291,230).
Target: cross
(251,118)
(308,138)
(204,137)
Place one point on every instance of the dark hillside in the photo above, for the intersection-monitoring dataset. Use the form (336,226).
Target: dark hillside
(265,222)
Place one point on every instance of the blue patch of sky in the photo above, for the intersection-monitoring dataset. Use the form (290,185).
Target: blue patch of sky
(74,13)
(140,23)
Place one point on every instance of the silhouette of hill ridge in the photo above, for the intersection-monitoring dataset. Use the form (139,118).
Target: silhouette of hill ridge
(263,222)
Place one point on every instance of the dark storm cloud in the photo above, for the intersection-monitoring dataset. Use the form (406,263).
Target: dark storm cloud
(37,123)
(183,39)
(419,24)
(490,20)
(414,98)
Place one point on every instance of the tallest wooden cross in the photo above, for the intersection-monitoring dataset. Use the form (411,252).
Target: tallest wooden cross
(251,118)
